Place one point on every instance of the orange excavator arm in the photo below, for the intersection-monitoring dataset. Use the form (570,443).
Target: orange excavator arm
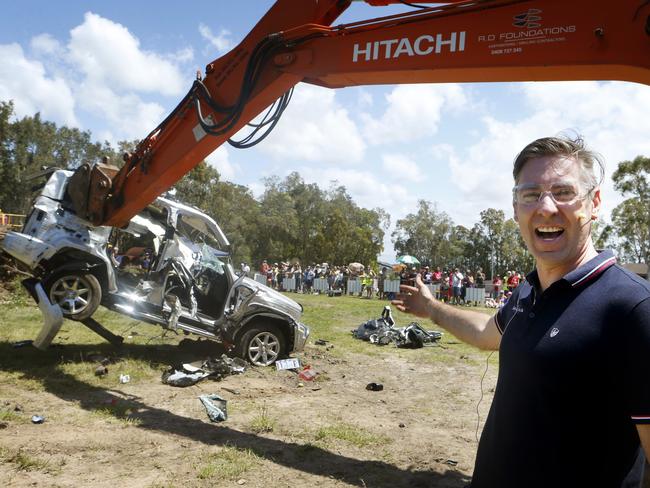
(460,41)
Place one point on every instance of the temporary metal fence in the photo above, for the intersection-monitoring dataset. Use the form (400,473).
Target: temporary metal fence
(354,286)
(434,288)
(320,284)
(475,295)
(391,286)
(260,278)
(288,284)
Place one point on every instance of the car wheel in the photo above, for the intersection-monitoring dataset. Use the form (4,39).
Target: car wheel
(261,345)
(78,293)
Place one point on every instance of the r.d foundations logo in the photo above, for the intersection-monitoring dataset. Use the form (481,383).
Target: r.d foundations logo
(530,19)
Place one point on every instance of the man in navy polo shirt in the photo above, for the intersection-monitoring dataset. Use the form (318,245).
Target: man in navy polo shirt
(572,402)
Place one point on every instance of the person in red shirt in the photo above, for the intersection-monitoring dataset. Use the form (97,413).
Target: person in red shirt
(496,286)
(513,281)
(436,276)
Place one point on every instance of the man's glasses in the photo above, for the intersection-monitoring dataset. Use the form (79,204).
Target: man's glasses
(561,194)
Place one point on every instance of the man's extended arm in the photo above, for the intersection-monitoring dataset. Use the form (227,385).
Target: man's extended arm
(644,435)
(475,328)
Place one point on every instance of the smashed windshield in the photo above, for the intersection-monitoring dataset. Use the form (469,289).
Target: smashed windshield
(212,258)
(197,230)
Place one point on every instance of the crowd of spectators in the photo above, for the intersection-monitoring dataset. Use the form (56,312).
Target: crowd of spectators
(337,276)
(452,283)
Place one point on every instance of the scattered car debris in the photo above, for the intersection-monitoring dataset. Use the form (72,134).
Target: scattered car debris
(25,343)
(173,377)
(402,425)
(290,363)
(38,419)
(192,367)
(189,374)
(230,390)
(321,342)
(99,358)
(374,387)
(215,406)
(101,370)
(51,312)
(224,366)
(307,373)
(448,462)
(382,331)
(125,378)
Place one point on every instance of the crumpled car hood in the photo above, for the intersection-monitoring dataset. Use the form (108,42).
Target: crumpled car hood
(269,298)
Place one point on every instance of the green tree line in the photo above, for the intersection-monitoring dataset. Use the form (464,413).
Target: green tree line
(492,244)
(293,219)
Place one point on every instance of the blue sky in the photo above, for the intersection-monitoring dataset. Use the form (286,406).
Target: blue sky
(117,68)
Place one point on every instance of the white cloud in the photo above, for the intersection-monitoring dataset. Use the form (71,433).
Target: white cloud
(26,82)
(401,167)
(109,71)
(220,160)
(257,189)
(607,114)
(413,112)
(46,44)
(221,41)
(610,115)
(125,115)
(366,188)
(315,128)
(108,54)
(183,55)
(364,98)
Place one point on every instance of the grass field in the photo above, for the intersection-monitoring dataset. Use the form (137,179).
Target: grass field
(422,427)
(330,318)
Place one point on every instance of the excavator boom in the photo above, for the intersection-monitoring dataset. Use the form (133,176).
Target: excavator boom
(459,41)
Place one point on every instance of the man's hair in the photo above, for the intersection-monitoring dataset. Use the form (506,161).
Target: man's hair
(568,147)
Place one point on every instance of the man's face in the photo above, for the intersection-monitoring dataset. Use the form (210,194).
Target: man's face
(555,234)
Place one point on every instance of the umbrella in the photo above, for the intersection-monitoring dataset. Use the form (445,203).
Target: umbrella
(356,268)
(408,260)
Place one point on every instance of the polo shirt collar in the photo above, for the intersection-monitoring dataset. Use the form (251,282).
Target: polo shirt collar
(591,269)
(582,274)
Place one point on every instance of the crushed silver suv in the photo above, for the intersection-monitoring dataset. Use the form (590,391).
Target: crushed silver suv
(175,273)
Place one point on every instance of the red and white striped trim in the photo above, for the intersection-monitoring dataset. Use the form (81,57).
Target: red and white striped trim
(596,271)
(640,419)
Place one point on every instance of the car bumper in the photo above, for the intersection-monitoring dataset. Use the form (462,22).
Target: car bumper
(25,248)
(300,336)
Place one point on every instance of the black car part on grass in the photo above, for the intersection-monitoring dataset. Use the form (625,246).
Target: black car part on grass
(382,331)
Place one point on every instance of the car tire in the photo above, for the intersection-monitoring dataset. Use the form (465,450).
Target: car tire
(77,293)
(261,345)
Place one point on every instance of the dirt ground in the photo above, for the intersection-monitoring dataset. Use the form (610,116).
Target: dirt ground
(419,431)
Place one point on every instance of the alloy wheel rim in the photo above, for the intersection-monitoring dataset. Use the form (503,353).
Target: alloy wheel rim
(264,349)
(71,293)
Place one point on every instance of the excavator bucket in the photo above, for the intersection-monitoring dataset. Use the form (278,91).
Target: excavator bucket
(89,187)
